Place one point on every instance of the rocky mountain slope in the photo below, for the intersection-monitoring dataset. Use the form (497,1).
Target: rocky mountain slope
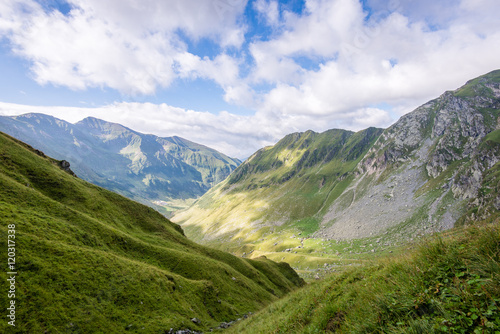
(87,260)
(420,175)
(290,181)
(161,172)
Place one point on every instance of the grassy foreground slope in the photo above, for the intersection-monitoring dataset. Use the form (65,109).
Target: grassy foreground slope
(92,261)
(449,284)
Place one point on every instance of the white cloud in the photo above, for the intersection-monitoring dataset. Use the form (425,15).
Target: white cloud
(213,18)
(269,10)
(135,47)
(394,58)
(318,31)
(127,45)
(223,69)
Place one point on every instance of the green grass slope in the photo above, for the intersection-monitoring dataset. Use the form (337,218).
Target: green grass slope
(284,188)
(92,261)
(448,284)
(478,86)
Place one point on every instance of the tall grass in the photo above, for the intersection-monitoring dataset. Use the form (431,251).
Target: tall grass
(447,284)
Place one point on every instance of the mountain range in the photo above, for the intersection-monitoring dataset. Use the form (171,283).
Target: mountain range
(165,173)
(311,191)
(83,259)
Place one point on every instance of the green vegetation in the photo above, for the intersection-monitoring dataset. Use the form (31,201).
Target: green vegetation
(92,261)
(285,188)
(447,284)
(307,226)
(490,116)
(477,87)
(308,154)
(493,136)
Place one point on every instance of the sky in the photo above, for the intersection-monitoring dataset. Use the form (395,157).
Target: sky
(238,75)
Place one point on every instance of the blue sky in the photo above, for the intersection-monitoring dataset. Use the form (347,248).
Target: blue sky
(237,75)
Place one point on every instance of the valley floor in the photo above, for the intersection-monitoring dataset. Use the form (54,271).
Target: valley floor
(315,258)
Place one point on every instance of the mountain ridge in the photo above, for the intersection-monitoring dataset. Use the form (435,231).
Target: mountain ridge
(164,173)
(417,177)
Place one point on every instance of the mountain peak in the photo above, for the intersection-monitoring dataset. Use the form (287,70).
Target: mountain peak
(487,85)
(37,117)
(97,124)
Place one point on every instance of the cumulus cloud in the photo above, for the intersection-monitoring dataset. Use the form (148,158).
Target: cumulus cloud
(223,69)
(383,55)
(269,10)
(133,47)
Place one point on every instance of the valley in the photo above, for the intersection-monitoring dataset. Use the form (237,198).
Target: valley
(250,167)
(90,260)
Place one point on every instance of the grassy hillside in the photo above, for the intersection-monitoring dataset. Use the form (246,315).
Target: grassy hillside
(447,284)
(92,261)
(275,198)
(479,86)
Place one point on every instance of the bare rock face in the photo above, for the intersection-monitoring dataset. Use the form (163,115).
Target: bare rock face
(470,180)
(456,125)
(65,165)
(459,128)
(424,167)
(398,141)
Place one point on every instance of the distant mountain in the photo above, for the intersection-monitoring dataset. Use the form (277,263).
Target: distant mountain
(88,260)
(165,173)
(436,167)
